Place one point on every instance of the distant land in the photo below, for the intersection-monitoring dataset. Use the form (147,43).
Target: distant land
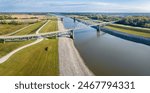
(115,14)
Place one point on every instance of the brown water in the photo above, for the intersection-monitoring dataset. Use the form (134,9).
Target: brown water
(107,55)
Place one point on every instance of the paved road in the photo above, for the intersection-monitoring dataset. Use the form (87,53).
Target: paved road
(6,57)
(70,62)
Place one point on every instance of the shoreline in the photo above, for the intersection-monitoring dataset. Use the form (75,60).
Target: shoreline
(134,38)
(70,61)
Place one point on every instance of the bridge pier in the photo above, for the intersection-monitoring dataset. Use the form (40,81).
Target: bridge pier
(62,19)
(98,28)
(2,41)
(72,34)
(74,19)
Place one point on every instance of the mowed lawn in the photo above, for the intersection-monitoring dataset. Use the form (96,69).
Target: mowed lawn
(130,30)
(10,46)
(50,26)
(31,29)
(38,60)
(33,61)
(7,28)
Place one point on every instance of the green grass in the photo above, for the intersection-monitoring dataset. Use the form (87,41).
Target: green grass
(31,29)
(130,30)
(10,46)
(33,61)
(7,28)
(52,24)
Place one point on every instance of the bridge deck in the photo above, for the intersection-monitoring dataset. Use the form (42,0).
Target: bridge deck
(59,33)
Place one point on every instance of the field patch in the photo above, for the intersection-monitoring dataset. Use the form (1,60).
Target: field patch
(10,46)
(31,29)
(7,28)
(38,60)
(130,30)
(51,26)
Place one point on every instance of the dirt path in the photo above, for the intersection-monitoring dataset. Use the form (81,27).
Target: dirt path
(6,57)
(70,62)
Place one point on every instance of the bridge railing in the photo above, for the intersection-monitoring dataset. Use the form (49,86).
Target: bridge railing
(36,36)
(91,22)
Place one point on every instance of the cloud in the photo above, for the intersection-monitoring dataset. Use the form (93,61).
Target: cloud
(71,6)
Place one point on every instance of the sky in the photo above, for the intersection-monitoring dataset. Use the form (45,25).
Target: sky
(107,6)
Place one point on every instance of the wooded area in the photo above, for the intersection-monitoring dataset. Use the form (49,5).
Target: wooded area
(139,21)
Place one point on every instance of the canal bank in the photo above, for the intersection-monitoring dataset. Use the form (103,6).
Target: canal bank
(130,37)
(109,55)
(70,61)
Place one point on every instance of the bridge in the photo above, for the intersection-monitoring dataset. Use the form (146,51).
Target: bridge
(93,24)
(68,33)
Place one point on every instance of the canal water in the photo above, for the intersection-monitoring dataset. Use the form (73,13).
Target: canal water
(107,55)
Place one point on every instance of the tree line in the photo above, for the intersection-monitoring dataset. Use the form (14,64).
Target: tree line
(12,22)
(3,17)
(139,21)
(104,18)
(101,17)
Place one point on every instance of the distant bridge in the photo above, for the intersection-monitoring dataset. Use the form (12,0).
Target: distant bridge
(94,24)
(68,33)
(90,22)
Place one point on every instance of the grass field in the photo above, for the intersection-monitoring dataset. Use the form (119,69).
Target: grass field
(34,60)
(31,29)
(52,24)
(6,28)
(130,30)
(10,46)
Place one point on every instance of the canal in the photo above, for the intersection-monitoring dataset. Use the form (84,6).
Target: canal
(107,55)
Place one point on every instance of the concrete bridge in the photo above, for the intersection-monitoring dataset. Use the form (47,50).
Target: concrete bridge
(93,24)
(68,33)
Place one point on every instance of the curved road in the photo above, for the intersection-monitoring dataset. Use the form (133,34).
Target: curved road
(6,57)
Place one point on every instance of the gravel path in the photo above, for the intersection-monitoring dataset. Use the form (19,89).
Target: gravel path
(6,57)
(37,32)
(70,62)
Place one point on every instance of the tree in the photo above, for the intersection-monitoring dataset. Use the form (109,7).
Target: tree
(140,21)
